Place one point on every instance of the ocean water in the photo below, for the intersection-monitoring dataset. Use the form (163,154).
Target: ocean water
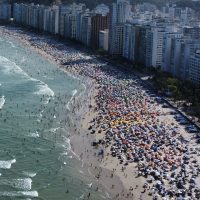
(35,157)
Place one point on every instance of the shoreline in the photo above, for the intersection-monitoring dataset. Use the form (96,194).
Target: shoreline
(151,113)
(79,136)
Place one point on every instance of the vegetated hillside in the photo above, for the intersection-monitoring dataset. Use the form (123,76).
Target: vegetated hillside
(92,3)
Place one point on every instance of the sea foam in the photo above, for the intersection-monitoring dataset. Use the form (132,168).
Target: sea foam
(23,184)
(19,194)
(70,101)
(34,135)
(6,164)
(43,89)
(30,174)
(12,67)
(2,102)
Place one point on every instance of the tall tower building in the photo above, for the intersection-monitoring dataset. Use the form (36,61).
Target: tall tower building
(99,22)
(5,10)
(120,13)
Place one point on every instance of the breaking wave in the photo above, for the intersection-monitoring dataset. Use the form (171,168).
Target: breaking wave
(6,164)
(2,102)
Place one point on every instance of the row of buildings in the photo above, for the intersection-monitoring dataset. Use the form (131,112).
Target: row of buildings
(168,38)
(74,21)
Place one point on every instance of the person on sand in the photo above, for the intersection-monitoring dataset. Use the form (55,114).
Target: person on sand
(145,186)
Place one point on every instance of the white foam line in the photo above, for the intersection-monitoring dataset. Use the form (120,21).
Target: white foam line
(73,94)
(19,194)
(44,90)
(30,174)
(24,184)
(12,45)
(34,135)
(9,67)
(2,102)
(82,91)
(6,164)
(77,156)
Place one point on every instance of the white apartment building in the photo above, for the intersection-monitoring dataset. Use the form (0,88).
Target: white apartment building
(51,20)
(5,11)
(86,29)
(155,46)
(130,41)
(70,24)
(17,12)
(194,67)
(29,15)
(63,10)
(183,48)
(168,49)
(66,10)
(120,12)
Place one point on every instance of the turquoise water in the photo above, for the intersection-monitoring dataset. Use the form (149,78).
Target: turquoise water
(35,158)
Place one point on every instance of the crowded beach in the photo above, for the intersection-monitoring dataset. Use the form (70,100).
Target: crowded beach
(151,150)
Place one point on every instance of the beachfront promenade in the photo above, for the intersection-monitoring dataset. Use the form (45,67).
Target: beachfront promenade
(135,136)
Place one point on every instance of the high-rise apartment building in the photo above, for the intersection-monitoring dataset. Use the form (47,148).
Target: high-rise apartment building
(5,11)
(193,32)
(130,43)
(142,46)
(168,50)
(120,12)
(86,29)
(51,20)
(70,24)
(63,10)
(154,46)
(194,67)
(183,48)
(70,20)
(99,22)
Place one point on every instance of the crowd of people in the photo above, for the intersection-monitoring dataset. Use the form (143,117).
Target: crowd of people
(134,133)
(131,119)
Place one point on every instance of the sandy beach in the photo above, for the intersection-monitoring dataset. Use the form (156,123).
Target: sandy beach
(131,143)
